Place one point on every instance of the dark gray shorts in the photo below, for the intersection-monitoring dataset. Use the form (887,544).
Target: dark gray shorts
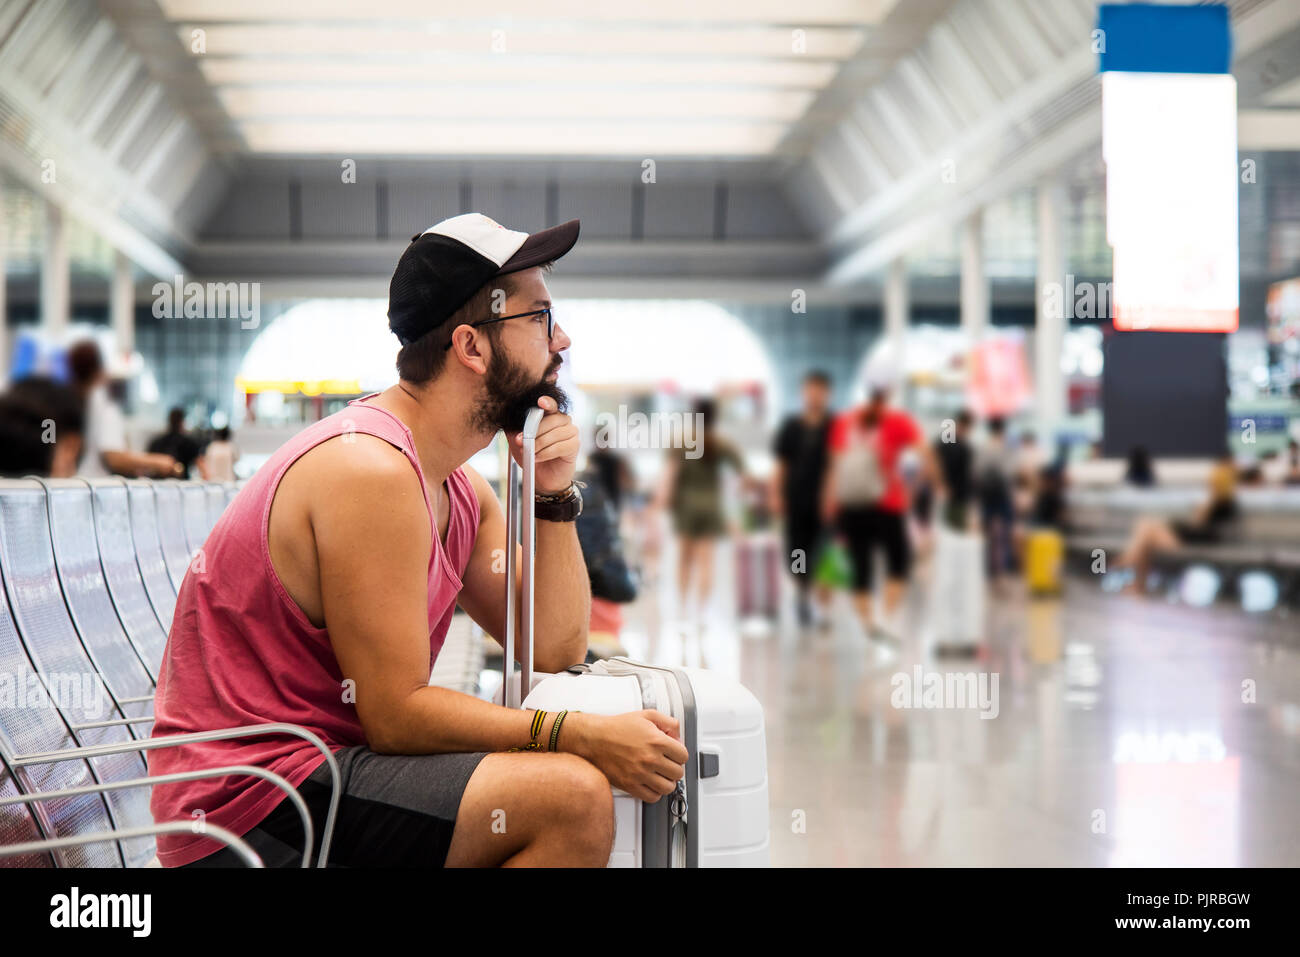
(396,810)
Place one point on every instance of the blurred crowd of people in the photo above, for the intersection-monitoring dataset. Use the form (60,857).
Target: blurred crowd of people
(869,482)
(58,427)
(848,488)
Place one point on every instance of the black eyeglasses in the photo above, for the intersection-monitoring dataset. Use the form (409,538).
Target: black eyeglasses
(550,321)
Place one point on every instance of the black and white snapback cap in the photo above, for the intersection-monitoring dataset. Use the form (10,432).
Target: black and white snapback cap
(447,263)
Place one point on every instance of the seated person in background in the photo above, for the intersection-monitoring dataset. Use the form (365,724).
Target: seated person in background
(1140,474)
(217,462)
(105,451)
(1048,510)
(1151,535)
(1252,475)
(176,442)
(40,429)
(1292,476)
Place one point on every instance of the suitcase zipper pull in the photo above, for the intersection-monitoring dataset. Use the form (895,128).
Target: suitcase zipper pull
(678,807)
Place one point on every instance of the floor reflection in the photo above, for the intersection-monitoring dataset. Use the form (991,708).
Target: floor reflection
(1122,734)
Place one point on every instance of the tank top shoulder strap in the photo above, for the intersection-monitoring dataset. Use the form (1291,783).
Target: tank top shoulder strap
(359,416)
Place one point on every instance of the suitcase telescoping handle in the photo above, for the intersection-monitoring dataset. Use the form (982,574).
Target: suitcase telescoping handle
(513,697)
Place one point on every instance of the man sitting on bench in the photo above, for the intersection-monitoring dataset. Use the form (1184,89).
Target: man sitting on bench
(324,593)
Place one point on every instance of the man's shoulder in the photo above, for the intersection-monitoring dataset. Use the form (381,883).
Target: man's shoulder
(355,459)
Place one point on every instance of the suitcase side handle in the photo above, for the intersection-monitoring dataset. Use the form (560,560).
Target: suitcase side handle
(517,503)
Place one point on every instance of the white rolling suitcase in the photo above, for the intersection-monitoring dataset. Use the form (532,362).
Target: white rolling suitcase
(957,592)
(718,816)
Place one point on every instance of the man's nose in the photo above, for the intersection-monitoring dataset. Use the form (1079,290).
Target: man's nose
(559,341)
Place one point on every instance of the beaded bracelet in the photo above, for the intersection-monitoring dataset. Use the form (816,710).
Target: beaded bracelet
(555,728)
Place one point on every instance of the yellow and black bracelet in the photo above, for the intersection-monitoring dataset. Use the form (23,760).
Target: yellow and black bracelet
(539,717)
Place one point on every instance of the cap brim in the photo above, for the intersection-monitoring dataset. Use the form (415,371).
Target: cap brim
(542,247)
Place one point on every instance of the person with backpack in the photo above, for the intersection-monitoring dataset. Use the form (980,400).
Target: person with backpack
(996,468)
(865,497)
(613,583)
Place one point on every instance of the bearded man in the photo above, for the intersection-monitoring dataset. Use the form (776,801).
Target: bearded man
(328,585)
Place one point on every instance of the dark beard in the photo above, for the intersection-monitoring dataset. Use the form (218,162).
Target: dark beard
(510,394)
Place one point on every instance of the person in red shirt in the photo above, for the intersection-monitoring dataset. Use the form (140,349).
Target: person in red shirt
(865,497)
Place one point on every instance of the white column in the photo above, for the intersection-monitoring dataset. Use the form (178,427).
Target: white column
(121,305)
(974,281)
(56,294)
(1050,310)
(896,309)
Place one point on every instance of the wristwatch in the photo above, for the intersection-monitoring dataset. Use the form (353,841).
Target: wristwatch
(563,506)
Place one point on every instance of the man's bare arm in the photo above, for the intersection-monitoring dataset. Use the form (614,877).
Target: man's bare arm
(372,539)
(561,585)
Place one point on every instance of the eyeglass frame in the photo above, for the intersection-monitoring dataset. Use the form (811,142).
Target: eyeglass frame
(550,322)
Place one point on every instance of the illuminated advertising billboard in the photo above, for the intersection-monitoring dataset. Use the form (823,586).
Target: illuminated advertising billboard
(1169,140)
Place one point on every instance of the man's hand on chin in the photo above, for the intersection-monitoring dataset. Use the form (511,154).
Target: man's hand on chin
(557,448)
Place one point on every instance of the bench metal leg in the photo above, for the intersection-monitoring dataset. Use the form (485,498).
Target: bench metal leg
(175,740)
(236,844)
(248,769)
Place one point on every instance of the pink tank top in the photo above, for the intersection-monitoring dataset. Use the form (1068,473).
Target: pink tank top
(241,651)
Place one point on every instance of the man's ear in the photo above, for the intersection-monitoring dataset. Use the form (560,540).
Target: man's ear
(469,348)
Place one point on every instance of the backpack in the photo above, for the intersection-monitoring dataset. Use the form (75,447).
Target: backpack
(859,479)
(602,549)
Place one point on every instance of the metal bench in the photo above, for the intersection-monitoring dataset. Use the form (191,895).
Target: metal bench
(91,704)
(17,825)
(148,550)
(123,575)
(39,727)
(171,530)
(73,784)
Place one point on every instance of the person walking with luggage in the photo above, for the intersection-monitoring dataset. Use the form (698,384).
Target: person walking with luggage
(996,469)
(956,459)
(865,496)
(802,456)
(693,485)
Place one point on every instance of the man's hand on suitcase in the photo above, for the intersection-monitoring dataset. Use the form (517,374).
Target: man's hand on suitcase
(557,448)
(638,751)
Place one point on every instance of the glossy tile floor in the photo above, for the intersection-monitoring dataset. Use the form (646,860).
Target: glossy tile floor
(1128,731)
